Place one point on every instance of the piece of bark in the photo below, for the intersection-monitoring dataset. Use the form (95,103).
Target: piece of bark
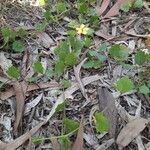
(107,106)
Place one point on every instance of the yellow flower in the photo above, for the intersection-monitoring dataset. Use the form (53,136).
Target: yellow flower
(82,29)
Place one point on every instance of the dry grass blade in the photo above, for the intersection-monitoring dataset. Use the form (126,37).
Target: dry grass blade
(107,105)
(77,75)
(20,101)
(78,145)
(131,130)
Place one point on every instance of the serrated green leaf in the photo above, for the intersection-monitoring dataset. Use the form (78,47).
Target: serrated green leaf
(103,47)
(37,67)
(61,7)
(102,124)
(83,7)
(8,34)
(65,141)
(50,73)
(140,58)
(119,52)
(144,89)
(59,68)
(13,72)
(124,84)
(126,7)
(89,64)
(70,59)
(18,46)
(88,42)
(70,125)
(138,4)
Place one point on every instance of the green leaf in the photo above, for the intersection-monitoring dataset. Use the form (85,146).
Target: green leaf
(70,125)
(138,4)
(73,24)
(65,141)
(37,67)
(89,64)
(140,58)
(41,2)
(103,47)
(126,7)
(119,52)
(59,68)
(88,42)
(70,59)
(90,31)
(144,89)
(61,7)
(102,124)
(66,83)
(48,16)
(83,7)
(8,34)
(18,46)
(41,26)
(124,84)
(50,73)
(13,72)
(62,106)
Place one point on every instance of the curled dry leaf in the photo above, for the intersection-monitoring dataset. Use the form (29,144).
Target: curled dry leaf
(131,131)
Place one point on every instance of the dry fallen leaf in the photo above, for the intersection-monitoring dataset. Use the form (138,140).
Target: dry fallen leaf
(44,39)
(131,131)
(78,145)
(100,9)
(115,9)
(20,101)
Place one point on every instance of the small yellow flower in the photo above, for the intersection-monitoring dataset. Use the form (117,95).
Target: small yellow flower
(82,29)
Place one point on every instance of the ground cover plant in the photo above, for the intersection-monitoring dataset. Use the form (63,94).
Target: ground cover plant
(75,74)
